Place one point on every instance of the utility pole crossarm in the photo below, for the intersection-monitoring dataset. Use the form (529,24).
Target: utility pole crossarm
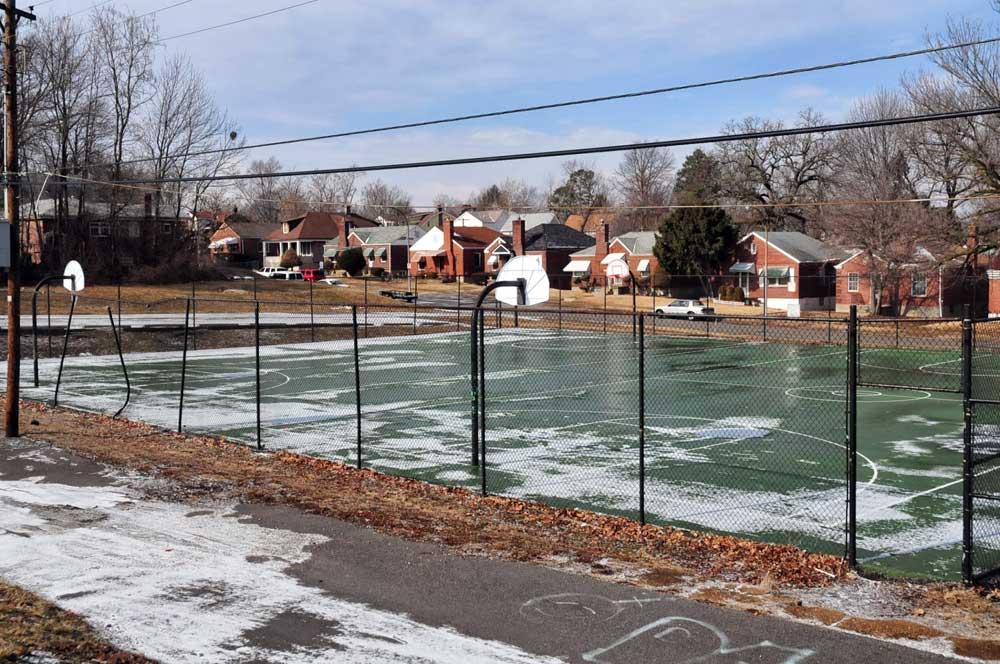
(19,13)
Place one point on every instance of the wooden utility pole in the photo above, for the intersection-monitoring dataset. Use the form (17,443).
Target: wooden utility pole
(12,209)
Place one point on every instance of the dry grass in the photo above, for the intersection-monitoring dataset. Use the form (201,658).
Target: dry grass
(29,624)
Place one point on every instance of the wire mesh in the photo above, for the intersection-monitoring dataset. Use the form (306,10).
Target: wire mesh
(983,482)
(923,354)
(746,428)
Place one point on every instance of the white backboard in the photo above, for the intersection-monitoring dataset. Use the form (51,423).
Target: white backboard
(75,270)
(536,286)
(616,268)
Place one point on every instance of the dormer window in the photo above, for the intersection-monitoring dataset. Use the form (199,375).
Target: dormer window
(753,248)
(285,227)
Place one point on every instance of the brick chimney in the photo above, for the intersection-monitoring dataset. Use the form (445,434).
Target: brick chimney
(449,250)
(345,230)
(971,242)
(147,205)
(518,231)
(601,247)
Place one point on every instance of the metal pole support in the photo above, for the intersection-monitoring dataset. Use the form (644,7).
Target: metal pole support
(256,343)
(121,357)
(184,354)
(357,379)
(852,437)
(62,358)
(968,474)
(642,419)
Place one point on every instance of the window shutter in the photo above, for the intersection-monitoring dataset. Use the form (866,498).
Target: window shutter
(791,280)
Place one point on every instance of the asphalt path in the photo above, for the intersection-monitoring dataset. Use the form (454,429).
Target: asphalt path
(262,583)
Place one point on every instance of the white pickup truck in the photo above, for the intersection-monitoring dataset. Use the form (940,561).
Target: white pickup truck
(267,272)
(690,309)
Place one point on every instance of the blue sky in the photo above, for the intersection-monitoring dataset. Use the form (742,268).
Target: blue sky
(335,66)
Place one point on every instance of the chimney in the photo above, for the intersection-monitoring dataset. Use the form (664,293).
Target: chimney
(147,205)
(518,230)
(449,251)
(345,230)
(601,248)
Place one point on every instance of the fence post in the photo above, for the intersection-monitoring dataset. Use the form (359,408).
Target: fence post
(312,318)
(829,326)
(194,319)
(357,378)
(366,308)
(605,289)
(654,310)
(968,477)
(458,315)
(897,332)
(48,314)
(852,437)
(474,380)
(482,403)
(414,306)
(62,358)
(642,419)
(256,343)
(184,355)
(560,310)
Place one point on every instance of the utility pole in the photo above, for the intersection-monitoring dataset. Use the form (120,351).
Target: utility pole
(12,208)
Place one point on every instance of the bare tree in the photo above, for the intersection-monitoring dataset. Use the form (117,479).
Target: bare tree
(644,178)
(334,192)
(876,164)
(264,196)
(511,193)
(784,170)
(390,202)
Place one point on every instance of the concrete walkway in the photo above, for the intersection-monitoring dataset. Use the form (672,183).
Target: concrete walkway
(253,583)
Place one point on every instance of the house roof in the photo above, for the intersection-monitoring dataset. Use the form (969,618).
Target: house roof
(429,220)
(241,227)
(801,247)
(388,234)
(638,243)
(470,237)
(555,236)
(503,220)
(317,226)
(46,209)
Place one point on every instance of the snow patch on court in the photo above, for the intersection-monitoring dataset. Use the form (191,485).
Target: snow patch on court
(179,586)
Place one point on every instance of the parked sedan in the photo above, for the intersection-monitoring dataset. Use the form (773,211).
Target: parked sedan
(690,309)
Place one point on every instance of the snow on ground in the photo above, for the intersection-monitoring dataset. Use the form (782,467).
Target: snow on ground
(181,585)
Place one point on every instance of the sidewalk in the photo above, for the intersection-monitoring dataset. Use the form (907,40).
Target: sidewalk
(229,582)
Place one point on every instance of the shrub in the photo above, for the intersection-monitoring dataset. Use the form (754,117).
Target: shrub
(478,278)
(738,295)
(431,275)
(351,261)
(290,259)
(181,268)
(377,271)
(584,284)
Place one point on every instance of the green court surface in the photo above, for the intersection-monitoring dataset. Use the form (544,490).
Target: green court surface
(741,437)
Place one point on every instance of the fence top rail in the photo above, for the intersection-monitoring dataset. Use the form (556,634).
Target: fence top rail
(884,320)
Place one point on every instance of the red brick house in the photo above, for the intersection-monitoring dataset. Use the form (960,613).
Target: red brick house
(925,286)
(239,240)
(307,234)
(797,270)
(457,252)
(553,244)
(385,247)
(609,263)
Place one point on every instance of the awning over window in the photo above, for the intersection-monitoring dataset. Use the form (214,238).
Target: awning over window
(644,265)
(330,250)
(776,272)
(417,255)
(577,266)
(743,268)
(492,260)
(369,253)
(223,242)
(611,258)
(381,253)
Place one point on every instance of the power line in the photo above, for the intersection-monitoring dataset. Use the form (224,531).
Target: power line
(571,152)
(163,9)
(237,21)
(576,102)
(853,202)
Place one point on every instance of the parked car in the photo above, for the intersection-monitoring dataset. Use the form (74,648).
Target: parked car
(690,309)
(267,272)
(290,275)
(333,281)
(311,274)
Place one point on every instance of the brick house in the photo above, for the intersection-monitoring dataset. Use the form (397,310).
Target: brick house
(458,252)
(610,264)
(385,247)
(553,244)
(798,270)
(925,286)
(107,239)
(239,240)
(308,234)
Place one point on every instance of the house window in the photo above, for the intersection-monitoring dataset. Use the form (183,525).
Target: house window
(166,227)
(776,276)
(100,229)
(272,249)
(126,261)
(918,285)
(853,282)
(753,248)
(133,229)
(305,249)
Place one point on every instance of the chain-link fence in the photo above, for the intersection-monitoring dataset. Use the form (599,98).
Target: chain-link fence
(735,424)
